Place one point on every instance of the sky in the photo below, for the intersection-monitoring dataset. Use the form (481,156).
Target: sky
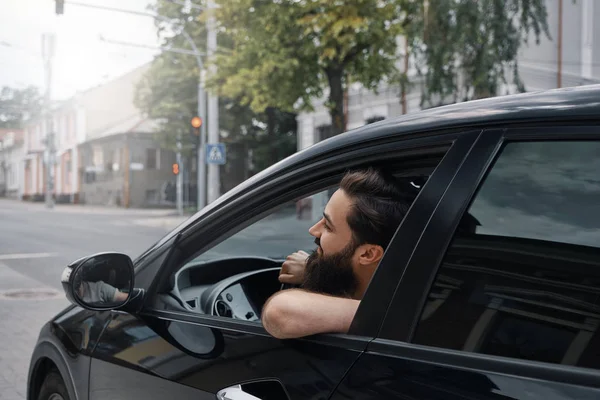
(82,59)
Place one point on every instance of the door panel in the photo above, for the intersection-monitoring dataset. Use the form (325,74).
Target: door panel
(518,277)
(376,376)
(181,354)
(152,357)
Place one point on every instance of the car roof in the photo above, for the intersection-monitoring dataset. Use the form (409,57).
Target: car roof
(566,104)
(557,104)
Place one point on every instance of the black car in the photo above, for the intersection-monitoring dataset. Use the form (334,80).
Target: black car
(490,288)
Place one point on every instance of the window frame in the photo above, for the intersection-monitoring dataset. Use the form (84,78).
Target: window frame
(308,177)
(400,325)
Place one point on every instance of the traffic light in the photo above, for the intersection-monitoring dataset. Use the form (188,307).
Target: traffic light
(175,169)
(196,124)
(60,7)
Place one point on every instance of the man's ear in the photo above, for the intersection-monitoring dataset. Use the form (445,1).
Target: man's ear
(370,254)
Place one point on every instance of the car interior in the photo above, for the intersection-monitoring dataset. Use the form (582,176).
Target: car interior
(238,286)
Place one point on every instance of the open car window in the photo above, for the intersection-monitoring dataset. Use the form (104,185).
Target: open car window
(235,276)
(277,235)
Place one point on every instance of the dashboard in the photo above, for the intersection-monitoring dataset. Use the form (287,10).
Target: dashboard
(232,288)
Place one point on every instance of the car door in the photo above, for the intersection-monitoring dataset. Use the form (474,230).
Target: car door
(501,299)
(172,350)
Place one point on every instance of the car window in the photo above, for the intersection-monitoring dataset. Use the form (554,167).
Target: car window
(521,278)
(235,276)
(282,232)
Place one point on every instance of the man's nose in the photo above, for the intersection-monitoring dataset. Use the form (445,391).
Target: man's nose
(314,230)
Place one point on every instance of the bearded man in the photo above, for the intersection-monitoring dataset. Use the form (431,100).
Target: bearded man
(358,223)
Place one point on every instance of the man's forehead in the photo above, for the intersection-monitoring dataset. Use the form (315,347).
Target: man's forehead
(338,206)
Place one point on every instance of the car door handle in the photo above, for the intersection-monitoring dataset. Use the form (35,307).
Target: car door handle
(235,393)
(267,389)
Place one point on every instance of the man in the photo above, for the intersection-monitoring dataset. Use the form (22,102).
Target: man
(357,225)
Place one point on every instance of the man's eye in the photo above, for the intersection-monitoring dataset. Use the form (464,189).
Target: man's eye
(327,227)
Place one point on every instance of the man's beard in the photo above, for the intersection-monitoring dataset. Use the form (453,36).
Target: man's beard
(332,274)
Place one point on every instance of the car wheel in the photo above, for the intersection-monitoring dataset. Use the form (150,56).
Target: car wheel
(53,388)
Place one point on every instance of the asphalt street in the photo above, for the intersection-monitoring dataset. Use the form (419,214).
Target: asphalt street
(39,242)
(36,244)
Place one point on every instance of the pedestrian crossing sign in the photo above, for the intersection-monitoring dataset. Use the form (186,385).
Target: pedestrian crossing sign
(215,153)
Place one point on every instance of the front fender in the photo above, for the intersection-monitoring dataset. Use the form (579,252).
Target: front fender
(66,343)
(48,355)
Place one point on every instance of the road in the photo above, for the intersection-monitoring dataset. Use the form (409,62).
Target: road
(36,244)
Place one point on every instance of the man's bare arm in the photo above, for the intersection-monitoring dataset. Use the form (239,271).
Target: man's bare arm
(296,313)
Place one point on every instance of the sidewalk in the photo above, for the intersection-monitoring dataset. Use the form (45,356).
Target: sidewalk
(25,305)
(87,209)
(165,222)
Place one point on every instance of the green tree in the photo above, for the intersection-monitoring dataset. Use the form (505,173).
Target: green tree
(287,52)
(17,105)
(465,49)
(168,94)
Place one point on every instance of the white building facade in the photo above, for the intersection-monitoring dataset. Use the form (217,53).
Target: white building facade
(11,164)
(539,69)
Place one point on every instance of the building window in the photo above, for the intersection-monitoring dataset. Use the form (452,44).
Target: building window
(152,158)
(11,176)
(98,156)
(521,278)
(151,196)
(69,164)
(116,165)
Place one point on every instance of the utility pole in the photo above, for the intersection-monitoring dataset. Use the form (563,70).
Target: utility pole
(179,181)
(560,44)
(213,107)
(48,47)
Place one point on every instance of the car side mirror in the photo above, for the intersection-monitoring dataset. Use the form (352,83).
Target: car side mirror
(101,282)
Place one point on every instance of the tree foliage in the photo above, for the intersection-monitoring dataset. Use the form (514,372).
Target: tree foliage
(288,52)
(277,56)
(168,93)
(17,105)
(466,49)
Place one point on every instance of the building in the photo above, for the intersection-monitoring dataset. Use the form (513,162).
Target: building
(11,163)
(34,167)
(539,68)
(575,58)
(127,169)
(121,161)
(101,142)
(68,131)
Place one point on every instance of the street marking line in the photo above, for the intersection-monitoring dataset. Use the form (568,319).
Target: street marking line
(21,256)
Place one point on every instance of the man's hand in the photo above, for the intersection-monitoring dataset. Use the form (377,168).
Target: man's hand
(296,313)
(292,270)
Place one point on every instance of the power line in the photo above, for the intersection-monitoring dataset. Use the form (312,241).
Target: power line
(187,3)
(144,46)
(114,9)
